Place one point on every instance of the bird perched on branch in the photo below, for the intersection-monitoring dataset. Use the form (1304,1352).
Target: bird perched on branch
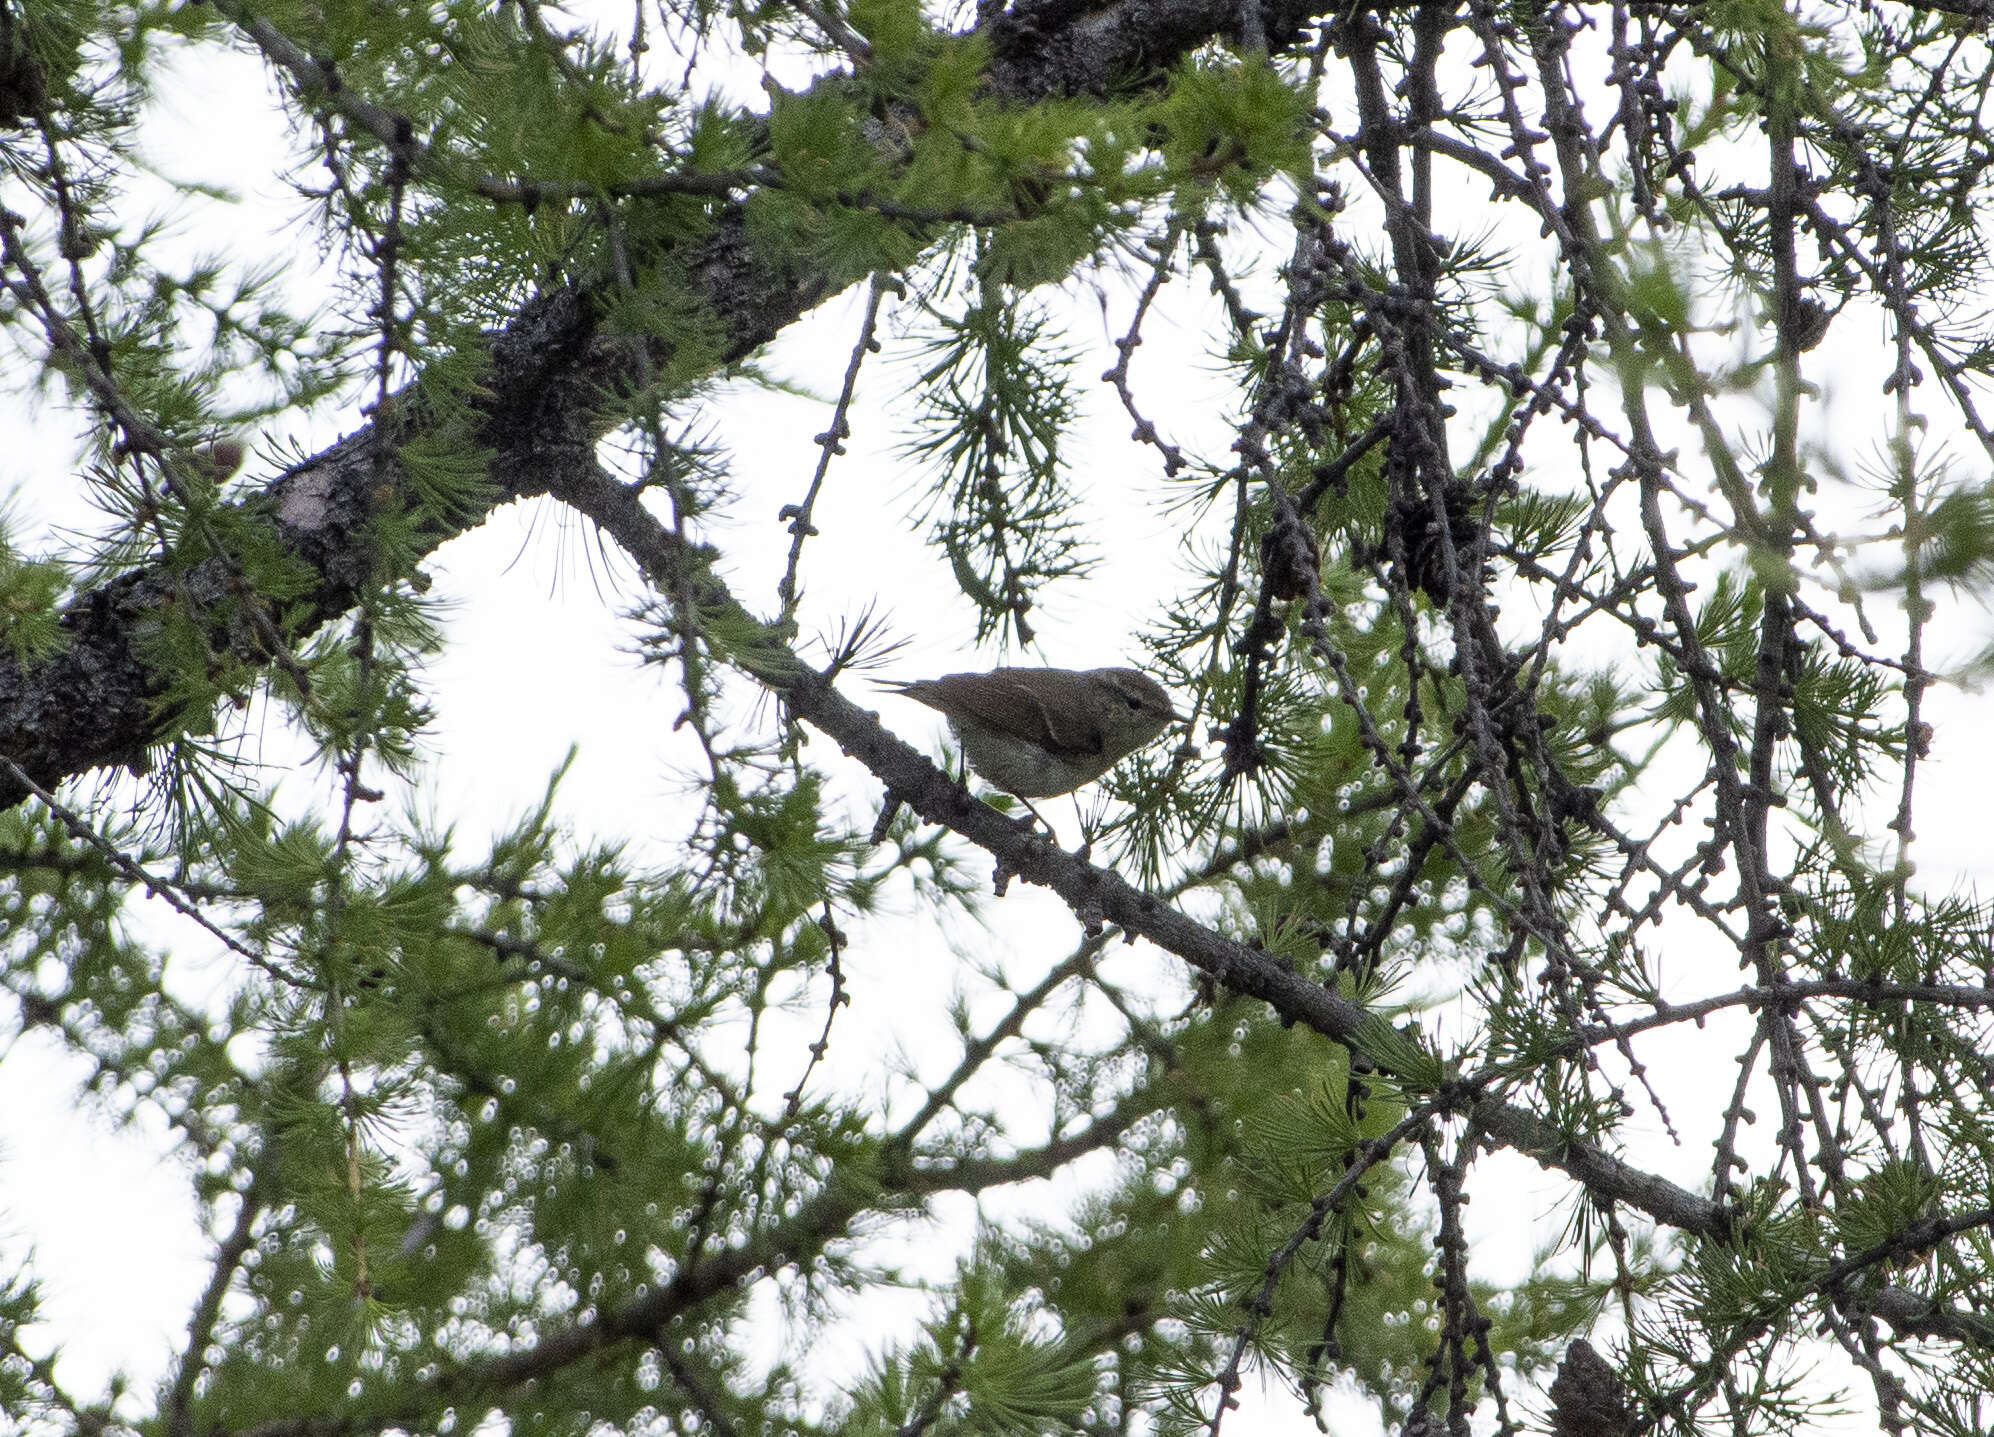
(1038,733)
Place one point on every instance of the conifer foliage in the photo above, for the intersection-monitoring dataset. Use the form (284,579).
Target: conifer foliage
(1568,609)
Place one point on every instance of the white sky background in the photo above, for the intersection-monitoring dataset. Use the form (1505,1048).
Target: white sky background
(538,659)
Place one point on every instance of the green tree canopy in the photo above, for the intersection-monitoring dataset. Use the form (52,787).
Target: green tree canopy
(1594,536)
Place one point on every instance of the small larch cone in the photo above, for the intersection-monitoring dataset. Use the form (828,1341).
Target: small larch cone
(1588,1399)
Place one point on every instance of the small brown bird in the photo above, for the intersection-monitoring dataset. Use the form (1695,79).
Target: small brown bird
(1037,733)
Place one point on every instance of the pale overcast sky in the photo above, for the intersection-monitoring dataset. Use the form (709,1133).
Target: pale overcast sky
(540,660)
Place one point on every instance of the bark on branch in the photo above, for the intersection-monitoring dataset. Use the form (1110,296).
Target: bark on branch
(549,388)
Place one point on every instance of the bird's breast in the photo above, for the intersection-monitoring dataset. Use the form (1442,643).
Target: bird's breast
(1023,768)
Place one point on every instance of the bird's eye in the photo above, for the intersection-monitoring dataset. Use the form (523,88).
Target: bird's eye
(1133,703)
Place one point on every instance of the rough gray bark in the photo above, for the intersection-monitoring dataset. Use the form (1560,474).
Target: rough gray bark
(1100,896)
(96,703)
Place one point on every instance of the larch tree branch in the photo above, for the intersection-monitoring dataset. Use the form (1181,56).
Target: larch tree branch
(547,398)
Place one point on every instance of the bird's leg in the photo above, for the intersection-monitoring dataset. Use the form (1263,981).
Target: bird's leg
(1087,828)
(1036,821)
(1052,832)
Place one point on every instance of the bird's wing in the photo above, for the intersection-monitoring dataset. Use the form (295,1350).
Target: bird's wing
(1018,709)
(1068,735)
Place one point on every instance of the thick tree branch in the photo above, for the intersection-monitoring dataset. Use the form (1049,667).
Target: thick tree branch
(675,566)
(1098,894)
(547,399)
